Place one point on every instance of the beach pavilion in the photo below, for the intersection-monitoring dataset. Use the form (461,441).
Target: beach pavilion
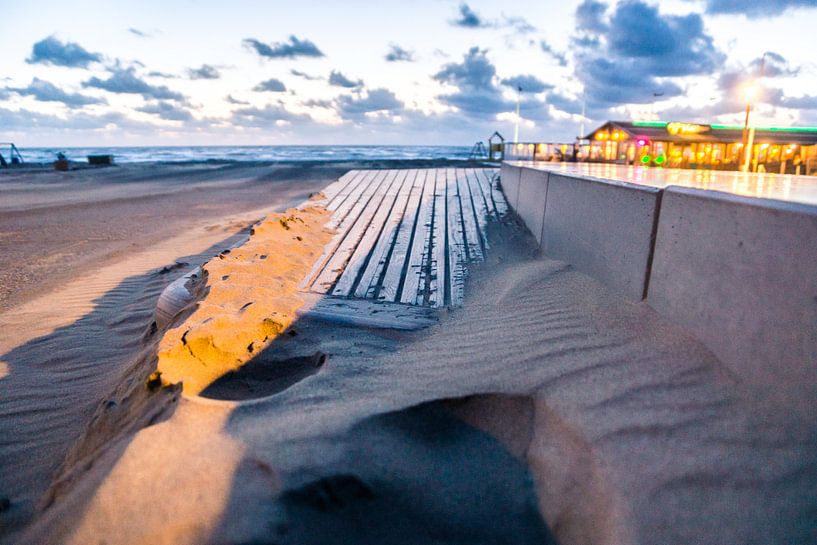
(689,145)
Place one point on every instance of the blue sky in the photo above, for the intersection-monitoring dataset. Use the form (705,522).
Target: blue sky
(421,72)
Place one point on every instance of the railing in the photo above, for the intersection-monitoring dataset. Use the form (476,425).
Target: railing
(15,158)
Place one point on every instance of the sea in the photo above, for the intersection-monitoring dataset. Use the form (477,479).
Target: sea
(186,154)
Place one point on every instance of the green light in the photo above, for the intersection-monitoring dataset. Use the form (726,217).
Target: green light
(646,159)
(650,123)
(660,160)
(772,129)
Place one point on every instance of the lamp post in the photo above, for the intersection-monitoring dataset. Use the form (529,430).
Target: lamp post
(516,126)
(751,91)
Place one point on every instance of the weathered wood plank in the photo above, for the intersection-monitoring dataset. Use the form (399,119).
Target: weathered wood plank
(334,192)
(400,258)
(366,312)
(457,255)
(369,280)
(472,236)
(340,221)
(422,234)
(439,274)
(498,198)
(361,255)
(369,200)
(480,203)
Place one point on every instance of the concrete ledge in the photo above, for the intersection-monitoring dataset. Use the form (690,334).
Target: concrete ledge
(741,274)
(532,194)
(509,177)
(603,228)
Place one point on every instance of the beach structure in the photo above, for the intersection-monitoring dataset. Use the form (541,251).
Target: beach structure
(13,157)
(784,150)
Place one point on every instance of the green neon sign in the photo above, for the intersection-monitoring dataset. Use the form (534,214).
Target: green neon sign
(772,129)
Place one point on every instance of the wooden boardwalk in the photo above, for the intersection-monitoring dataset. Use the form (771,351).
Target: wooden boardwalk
(405,237)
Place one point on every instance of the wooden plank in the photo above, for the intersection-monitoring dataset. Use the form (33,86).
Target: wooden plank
(369,280)
(439,274)
(351,201)
(369,200)
(399,260)
(340,220)
(471,235)
(498,198)
(422,234)
(371,234)
(366,312)
(340,187)
(480,203)
(457,255)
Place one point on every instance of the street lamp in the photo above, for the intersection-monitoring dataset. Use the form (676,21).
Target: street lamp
(751,92)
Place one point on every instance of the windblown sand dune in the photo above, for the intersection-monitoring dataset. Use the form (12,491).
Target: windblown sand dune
(85,255)
(544,398)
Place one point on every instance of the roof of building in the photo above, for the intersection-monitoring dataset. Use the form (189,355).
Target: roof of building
(694,132)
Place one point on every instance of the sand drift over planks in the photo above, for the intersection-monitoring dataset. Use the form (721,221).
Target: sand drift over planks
(544,398)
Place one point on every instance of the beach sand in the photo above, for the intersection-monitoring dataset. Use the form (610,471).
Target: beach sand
(545,406)
(84,255)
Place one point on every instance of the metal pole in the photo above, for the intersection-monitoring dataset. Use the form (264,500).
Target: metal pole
(748,142)
(584,107)
(516,126)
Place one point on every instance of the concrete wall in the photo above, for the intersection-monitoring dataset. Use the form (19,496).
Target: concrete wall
(509,176)
(532,194)
(739,273)
(603,229)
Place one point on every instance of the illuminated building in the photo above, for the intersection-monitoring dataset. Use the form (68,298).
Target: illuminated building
(691,145)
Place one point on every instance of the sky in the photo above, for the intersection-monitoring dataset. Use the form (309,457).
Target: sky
(425,72)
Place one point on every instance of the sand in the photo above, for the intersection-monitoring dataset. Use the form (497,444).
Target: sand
(545,406)
(83,257)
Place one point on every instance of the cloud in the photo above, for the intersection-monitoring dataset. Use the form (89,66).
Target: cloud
(339,80)
(558,56)
(29,121)
(52,51)
(205,71)
(232,100)
(805,102)
(137,32)
(477,95)
(315,103)
(468,18)
(157,74)
(375,100)
(755,8)
(528,83)
(774,65)
(125,81)
(632,54)
(590,16)
(271,85)
(304,75)
(167,110)
(48,92)
(474,71)
(270,115)
(284,50)
(519,25)
(398,54)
